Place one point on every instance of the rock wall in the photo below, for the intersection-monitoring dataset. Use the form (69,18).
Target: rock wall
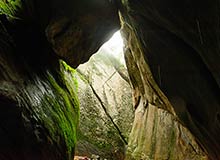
(171,44)
(106,111)
(157,132)
(38,92)
(39,105)
(172,56)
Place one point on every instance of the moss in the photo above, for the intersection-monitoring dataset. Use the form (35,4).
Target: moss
(50,110)
(58,110)
(69,78)
(154,135)
(125,2)
(171,147)
(11,8)
(67,120)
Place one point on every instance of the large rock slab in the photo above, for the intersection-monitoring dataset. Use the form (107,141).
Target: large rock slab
(107,113)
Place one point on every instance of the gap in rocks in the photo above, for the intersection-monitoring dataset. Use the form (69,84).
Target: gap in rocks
(106,112)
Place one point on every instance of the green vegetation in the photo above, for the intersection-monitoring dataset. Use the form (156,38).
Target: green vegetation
(58,110)
(11,8)
(171,146)
(65,118)
(153,136)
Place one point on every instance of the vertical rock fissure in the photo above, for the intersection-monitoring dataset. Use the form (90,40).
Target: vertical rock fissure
(104,108)
(108,115)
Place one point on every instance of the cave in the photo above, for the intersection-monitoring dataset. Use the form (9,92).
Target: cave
(171,52)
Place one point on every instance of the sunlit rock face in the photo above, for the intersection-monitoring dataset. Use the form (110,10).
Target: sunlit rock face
(179,42)
(157,132)
(106,111)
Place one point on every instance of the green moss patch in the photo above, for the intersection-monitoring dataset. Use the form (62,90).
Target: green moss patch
(11,8)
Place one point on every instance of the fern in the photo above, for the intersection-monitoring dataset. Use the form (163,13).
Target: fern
(11,8)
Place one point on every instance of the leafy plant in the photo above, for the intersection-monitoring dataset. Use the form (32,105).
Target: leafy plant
(11,8)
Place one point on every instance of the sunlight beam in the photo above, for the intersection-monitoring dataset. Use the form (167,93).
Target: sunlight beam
(115,45)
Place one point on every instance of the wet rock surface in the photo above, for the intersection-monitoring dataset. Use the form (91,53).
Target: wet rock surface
(38,92)
(39,106)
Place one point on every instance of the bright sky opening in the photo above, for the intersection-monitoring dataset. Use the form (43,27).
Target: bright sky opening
(114,46)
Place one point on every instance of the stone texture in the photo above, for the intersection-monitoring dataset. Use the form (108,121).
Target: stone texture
(179,41)
(98,134)
(157,132)
(38,100)
(82,28)
(174,43)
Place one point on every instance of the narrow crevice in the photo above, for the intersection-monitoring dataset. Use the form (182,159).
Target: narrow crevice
(104,108)
(108,115)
